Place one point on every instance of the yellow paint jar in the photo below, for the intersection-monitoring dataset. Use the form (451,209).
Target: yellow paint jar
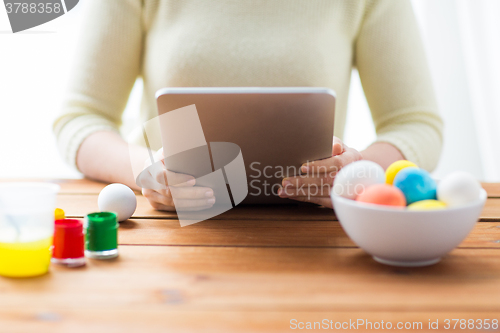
(24,259)
(26,228)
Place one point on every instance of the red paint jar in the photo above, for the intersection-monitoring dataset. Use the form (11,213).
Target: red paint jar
(68,243)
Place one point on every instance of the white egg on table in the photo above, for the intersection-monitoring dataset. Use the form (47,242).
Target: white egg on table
(117,198)
(458,188)
(355,177)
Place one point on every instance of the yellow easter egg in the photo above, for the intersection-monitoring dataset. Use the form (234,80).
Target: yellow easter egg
(427,205)
(394,168)
(59,214)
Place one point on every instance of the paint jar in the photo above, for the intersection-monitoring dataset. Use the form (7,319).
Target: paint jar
(59,214)
(68,243)
(101,235)
(26,228)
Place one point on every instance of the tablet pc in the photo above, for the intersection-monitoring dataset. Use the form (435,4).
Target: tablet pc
(276,129)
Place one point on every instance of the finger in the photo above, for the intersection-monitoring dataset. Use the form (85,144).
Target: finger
(168,201)
(194,209)
(160,198)
(313,191)
(189,193)
(195,192)
(187,204)
(328,166)
(167,177)
(308,180)
(158,159)
(332,165)
(322,201)
(159,154)
(338,146)
(147,181)
(146,192)
(149,194)
(159,206)
(349,156)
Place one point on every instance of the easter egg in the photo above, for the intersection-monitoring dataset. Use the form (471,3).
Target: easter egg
(117,198)
(354,178)
(416,184)
(382,194)
(427,205)
(458,188)
(394,168)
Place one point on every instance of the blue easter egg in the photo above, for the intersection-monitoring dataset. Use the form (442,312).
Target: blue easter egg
(416,184)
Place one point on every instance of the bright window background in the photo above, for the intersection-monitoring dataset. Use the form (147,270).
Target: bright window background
(33,77)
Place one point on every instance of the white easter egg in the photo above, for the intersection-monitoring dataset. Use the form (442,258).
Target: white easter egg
(355,177)
(458,188)
(117,198)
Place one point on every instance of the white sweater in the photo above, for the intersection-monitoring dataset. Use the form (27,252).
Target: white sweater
(194,43)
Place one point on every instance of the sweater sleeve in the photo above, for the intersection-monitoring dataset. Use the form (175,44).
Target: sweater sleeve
(394,73)
(107,64)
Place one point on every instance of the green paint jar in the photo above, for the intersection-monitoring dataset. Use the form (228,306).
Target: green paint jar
(101,235)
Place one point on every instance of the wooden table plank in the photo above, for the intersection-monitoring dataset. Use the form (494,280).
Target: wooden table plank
(484,235)
(165,319)
(491,211)
(159,320)
(265,233)
(262,279)
(258,233)
(251,270)
(76,205)
(493,189)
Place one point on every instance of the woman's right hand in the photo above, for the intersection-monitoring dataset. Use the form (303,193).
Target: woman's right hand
(183,196)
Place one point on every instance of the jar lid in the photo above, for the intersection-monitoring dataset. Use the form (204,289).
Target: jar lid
(59,214)
(102,220)
(69,225)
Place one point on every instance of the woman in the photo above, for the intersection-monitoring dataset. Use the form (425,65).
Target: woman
(248,43)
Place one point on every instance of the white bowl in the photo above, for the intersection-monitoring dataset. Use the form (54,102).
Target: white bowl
(400,237)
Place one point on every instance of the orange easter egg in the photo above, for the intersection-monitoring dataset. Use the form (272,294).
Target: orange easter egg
(383,194)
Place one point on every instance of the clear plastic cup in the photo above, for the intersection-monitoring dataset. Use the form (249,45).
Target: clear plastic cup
(26,228)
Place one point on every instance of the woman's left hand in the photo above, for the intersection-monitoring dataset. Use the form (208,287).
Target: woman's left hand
(316,180)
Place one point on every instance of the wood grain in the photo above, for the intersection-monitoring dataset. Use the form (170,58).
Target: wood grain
(259,233)
(161,319)
(493,189)
(77,205)
(251,269)
(265,233)
(491,211)
(262,279)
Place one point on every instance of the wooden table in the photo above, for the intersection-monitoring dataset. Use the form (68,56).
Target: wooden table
(249,270)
